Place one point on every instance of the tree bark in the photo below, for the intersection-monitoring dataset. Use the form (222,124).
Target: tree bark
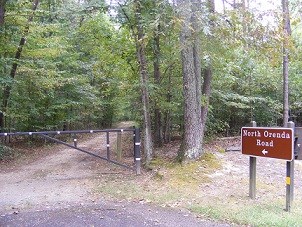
(7,88)
(2,15)
(192,144)
(2,12)
(158,135)
(206,92)
(207,77)
(286,36)
(167,124)
(141,57)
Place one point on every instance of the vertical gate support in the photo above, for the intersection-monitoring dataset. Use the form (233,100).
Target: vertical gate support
(137,154)
(119,145)
(108,145)
(253,162)
(290,177)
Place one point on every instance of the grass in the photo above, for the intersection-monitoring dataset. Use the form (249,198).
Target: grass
(190,186)
(7,153)
(267,213)
(169,183)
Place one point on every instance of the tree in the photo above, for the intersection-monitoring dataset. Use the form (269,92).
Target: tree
(8,87)
(207,74)
(191,71)
(286,35)
(141,58)
(158,134)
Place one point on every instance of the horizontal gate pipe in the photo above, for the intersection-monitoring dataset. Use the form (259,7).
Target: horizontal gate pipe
(62,132)
(84,151)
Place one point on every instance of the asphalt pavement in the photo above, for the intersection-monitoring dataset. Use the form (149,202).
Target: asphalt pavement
(113,214)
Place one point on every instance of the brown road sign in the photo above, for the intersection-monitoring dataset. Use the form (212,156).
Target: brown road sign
(268,142)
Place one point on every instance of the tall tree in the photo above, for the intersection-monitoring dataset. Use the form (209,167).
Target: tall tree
(286,36)
(141,58)
(207,73)
(2,14)
(191,72)
(157,78)
(8,87)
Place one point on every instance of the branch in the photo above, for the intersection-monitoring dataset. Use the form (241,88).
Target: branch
(128,19)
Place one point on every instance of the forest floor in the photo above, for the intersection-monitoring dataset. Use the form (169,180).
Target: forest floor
(50,182)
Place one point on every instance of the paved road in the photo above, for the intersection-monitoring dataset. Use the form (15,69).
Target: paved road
(105,214)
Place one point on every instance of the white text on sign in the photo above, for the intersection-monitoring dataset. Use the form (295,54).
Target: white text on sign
(266,134)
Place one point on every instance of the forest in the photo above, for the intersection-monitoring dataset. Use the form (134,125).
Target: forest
(178,68)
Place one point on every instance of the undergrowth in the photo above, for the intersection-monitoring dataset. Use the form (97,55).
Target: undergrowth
(6,153)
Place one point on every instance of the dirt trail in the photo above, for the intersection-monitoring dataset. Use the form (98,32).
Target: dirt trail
(62,178)
(59,190)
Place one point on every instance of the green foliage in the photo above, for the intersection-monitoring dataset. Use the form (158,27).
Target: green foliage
(78,67)
(6,152)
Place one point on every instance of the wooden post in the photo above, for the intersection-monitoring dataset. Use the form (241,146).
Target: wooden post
(290,177)
(253,162)
(119,145)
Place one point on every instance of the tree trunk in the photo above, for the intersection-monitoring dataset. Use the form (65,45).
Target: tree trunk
(2,11)
(206,92)
(1,121)
(7,88)
(286,35)
(141,57)
(157,76)
(223,6)
(192,147)
(207,78)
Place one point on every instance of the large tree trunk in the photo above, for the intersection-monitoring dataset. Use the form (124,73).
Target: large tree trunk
(141,57)
(7,88)
(192,144)
(286,35)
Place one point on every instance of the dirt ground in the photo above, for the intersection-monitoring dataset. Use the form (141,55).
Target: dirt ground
(58,189)
(270,173)
(65,178)
(62,177)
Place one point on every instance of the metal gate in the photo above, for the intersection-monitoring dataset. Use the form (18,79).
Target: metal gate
(47,135)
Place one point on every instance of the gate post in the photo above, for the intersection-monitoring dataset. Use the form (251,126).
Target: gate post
(119,145)
(290,165)
(253,161)
(108,145)
(137,155)
(75,141)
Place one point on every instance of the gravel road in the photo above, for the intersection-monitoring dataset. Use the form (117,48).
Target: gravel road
(58,190)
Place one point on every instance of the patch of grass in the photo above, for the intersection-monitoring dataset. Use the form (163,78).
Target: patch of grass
(7,153)
(168,183)
(221,150)
(267,213)
(137,191)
